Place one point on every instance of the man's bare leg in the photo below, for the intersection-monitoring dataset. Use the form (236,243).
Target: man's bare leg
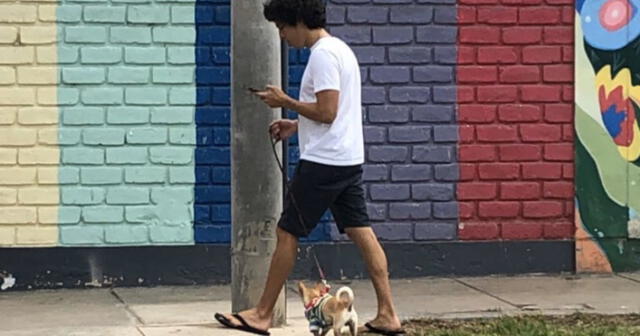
(282,263)
(376,261)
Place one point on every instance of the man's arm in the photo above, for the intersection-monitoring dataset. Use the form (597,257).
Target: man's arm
(324,110)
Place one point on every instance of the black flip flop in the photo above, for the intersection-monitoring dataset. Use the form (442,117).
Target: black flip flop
(243,327)
(384,332)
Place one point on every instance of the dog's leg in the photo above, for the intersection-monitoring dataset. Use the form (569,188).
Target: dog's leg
(316,333)
(353,327)
(325,331)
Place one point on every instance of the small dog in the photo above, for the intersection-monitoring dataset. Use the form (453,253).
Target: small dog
(326,312)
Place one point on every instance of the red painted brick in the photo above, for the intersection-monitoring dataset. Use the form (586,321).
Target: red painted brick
(478,231)
(561,73)
(479,35)
(568,14)
(567,93)
(466,55)
(497,94)
(477,74)
(519,113)
(540,93)
(567,54)
(520,74)
(477,191)
(477,153)
(497,133)
(559,230)
(542,209)
(497,15)
(561,2)
(541,55)
(568,171)
(466,134)
(567,132)
(558,113)
(466,210)
(521,35)
(519,190)
(520,152)
(521,2)
(476,113)
(498,209)
(569,208)
(497,55)
(558,35)
(467,171)
(540,133)
(540,15)
(563,190)
(541,171)
(521,230)
(498,171)
(466,14)
(466,94)
(559,152)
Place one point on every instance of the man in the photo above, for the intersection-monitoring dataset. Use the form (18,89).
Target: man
(329,174)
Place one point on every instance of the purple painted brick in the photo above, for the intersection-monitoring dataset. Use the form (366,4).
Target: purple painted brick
(336,15)
(413,55)
(369,55)
(374,134)
(445,133)
(437,2)
(367,14)
(433,154)
(435,231)
(446,14)
(373,95)
(447,172)
(409,210)
(353,35)
(409,134)
(412,14)
(436,34)
(364,75)
(387,153)
(446,55)
(444,94)
(433,74)
(433,113)
(405,94)
(413,172)
(445,210)
(392,35)
(390,74)
(393,231)
(376,172)
(389,192)
(388,114)
(392,2)
(432,192)
(377,211)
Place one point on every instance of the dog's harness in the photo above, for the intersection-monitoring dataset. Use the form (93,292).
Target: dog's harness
(313,313)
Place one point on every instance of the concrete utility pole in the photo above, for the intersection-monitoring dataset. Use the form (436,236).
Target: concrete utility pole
(256,184)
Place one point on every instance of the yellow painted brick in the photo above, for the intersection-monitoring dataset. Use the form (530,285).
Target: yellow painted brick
(8,196)
(37,236)
(17,96)
(47,13)
(8,156)
(8,35)
(39,196)
(17,136)
(16,55)
(48,96)
(7,75)
(17,176)
(48,215)
(47,55)
(18,13)
(43,34)
(48,136)
(18,215)
(8,115)
(7,236)
(37,75)
(47,175)
(38,155)
(38,116)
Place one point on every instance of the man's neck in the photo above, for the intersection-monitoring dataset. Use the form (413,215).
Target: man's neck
(315,35)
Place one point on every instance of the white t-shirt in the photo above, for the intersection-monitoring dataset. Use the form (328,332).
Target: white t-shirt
(332,65)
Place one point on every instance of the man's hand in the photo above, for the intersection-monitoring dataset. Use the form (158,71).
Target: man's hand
(282,129)
(273,96)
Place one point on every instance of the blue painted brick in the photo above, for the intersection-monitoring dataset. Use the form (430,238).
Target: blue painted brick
(103,214)
(304,56)
(171,155)
(367,14)
(223,15)
(445,210)
(388,114)
(185,14)
(370,55)
(433,113)
(413,55)
(377,211)
(203,56)
(85,34)
(88,156)
(374,134)
(447,173)
(390,74)
(203,175)
(145,175)
(213,155)
(103,136)
(444,94)
(373,95)
(172,115)
(182,136)
(409,94)
(101,175)
(83,116)
(353,35)
(409,134)
(221,213)
(212,194)
(130,35)
(127,155)
(146,96)
(435,154)
(204,136)
(412,14)
(445,133)
(336,15)
(103,14)
(183,175)
(202,214)
(182,35)
(433,74)
(393,231)
(410,210)
(387,153)
(389,192)
(446,55)
(181,55)
(221,175)
(413,172)
(221,96)
(446,14)
(100,55)
(432,192)
(127,195)
(439,2)
(435,231)
(214,36)
(221,136)
(147,136)
(392,35)
(212,234)
(437,34)
(375,172)
(148,14)
(144,55)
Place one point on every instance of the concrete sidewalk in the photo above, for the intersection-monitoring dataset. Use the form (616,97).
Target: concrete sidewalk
(186,311)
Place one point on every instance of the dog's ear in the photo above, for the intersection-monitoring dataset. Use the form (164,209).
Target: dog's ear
(320,287)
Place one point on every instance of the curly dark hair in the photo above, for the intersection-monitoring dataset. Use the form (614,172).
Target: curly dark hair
(312,13)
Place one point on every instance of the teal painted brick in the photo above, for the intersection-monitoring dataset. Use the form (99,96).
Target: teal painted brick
(89,156)
(127,115)
(147,136)
(81,235)
(146,96)
(69,13)
(150,55)
(100,55)
(172,115)
(129,75)
(148,14)
(127,155)
(103,136)
(67,55)
(162,214)
(82,196)
(68,175)
(127,195)
(177,195)
(88,1)
(121,234)
(183,35)
(178,235)
(68,137)
(69,215)
(131,1)
(171,155)
(182,175)
(182,96)
(141,214)
(104,14)
(68,96)
(130,35)
(103,214)
(173,75)
(83,116)
(145,175)
(83,75)
(181,55)
(85,34)
(182,136)
(182,14)
(101,175)
(102,96)
(180,1)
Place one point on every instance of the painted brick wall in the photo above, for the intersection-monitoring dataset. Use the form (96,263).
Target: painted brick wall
(515,97)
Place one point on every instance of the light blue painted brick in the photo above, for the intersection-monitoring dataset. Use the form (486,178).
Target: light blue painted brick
(144,55)
(82,196)
(85,34)
(89,1)
(102,96)
(68,96)
(182,136)
(182,96)
(182,14)
(104,14)
(168,235)
(181,55)
(178,195)
(173,75)
(130,35)
(103,214)
(120,234)
(171,155)
(147,136)
(131,1)
(69,13)
(88,156)
(148,14)
(127,195)
(185,35)
(69,215)
(182,1)
(172,115)
(100,55)
(83,116)
(182,175)
(69,136)
(146,96)
(67,55)
(83,75)
(145,175)
(128,75)
(127,115)
(81,235)
(68,175)
(127,155)
(141,214)
(101,176)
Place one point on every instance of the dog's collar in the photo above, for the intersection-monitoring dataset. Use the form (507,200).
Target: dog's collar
(316,301)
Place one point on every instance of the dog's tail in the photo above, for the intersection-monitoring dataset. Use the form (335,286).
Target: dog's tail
(345,295)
